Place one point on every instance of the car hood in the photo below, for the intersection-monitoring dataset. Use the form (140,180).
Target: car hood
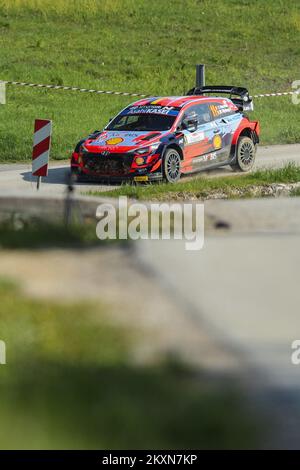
(122,141)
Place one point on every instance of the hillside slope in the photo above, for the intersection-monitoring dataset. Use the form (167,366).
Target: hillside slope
(141,46)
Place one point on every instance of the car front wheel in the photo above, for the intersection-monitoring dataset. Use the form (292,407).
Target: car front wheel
(171,165)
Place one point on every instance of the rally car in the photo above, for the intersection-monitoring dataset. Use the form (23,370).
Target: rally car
(164,138)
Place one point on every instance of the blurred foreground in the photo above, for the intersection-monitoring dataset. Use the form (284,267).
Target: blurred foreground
(98,356)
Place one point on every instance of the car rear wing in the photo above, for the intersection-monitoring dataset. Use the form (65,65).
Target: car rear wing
(238,95)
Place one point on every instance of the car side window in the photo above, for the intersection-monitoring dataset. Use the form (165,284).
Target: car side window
(202,111)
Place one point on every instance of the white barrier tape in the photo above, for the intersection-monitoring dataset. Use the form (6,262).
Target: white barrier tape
(70,88)
(2,93)
(122,93)
(284,93)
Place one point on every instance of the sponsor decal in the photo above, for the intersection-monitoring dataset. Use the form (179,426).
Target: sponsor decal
(141,178)
(152,109)
(219,109)
(205,158)
(193,137)
(139,161)
(127,138)
(210,156)
(217,141)
(114,141)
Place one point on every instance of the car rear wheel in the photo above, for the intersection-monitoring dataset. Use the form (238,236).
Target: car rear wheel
(171,165)
(245,155)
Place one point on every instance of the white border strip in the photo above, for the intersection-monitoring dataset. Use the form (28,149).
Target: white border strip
(42,134)
(40,161)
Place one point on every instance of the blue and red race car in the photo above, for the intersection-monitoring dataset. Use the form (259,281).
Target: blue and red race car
(164,138)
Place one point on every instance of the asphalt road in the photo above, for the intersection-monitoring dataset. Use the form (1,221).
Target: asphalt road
(17,177)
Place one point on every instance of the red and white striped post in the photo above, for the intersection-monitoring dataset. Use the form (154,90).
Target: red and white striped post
(41,148)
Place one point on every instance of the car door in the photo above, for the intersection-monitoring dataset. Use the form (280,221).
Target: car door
(223,117)
(197,145)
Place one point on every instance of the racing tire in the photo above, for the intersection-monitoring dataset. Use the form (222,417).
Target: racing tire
(245,155)
(171,166)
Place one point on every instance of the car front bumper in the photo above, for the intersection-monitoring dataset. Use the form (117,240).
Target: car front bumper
(134,177)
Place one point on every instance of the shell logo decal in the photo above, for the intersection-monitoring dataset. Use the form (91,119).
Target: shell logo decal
(217,141)
(114,141)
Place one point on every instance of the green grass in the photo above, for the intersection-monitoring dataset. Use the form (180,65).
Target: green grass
(33,233)
(19,232)
(140,46)
(295,192)
(202,187)
(69,383)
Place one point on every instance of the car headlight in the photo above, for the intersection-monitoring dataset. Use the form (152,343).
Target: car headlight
(143,150)
(149,149)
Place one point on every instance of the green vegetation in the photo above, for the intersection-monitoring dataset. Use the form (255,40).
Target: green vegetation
(295,192)
(69,383)
(33,233)
(140,46)
(202,187)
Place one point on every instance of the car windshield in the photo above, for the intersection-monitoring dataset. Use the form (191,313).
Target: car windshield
(141,122)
